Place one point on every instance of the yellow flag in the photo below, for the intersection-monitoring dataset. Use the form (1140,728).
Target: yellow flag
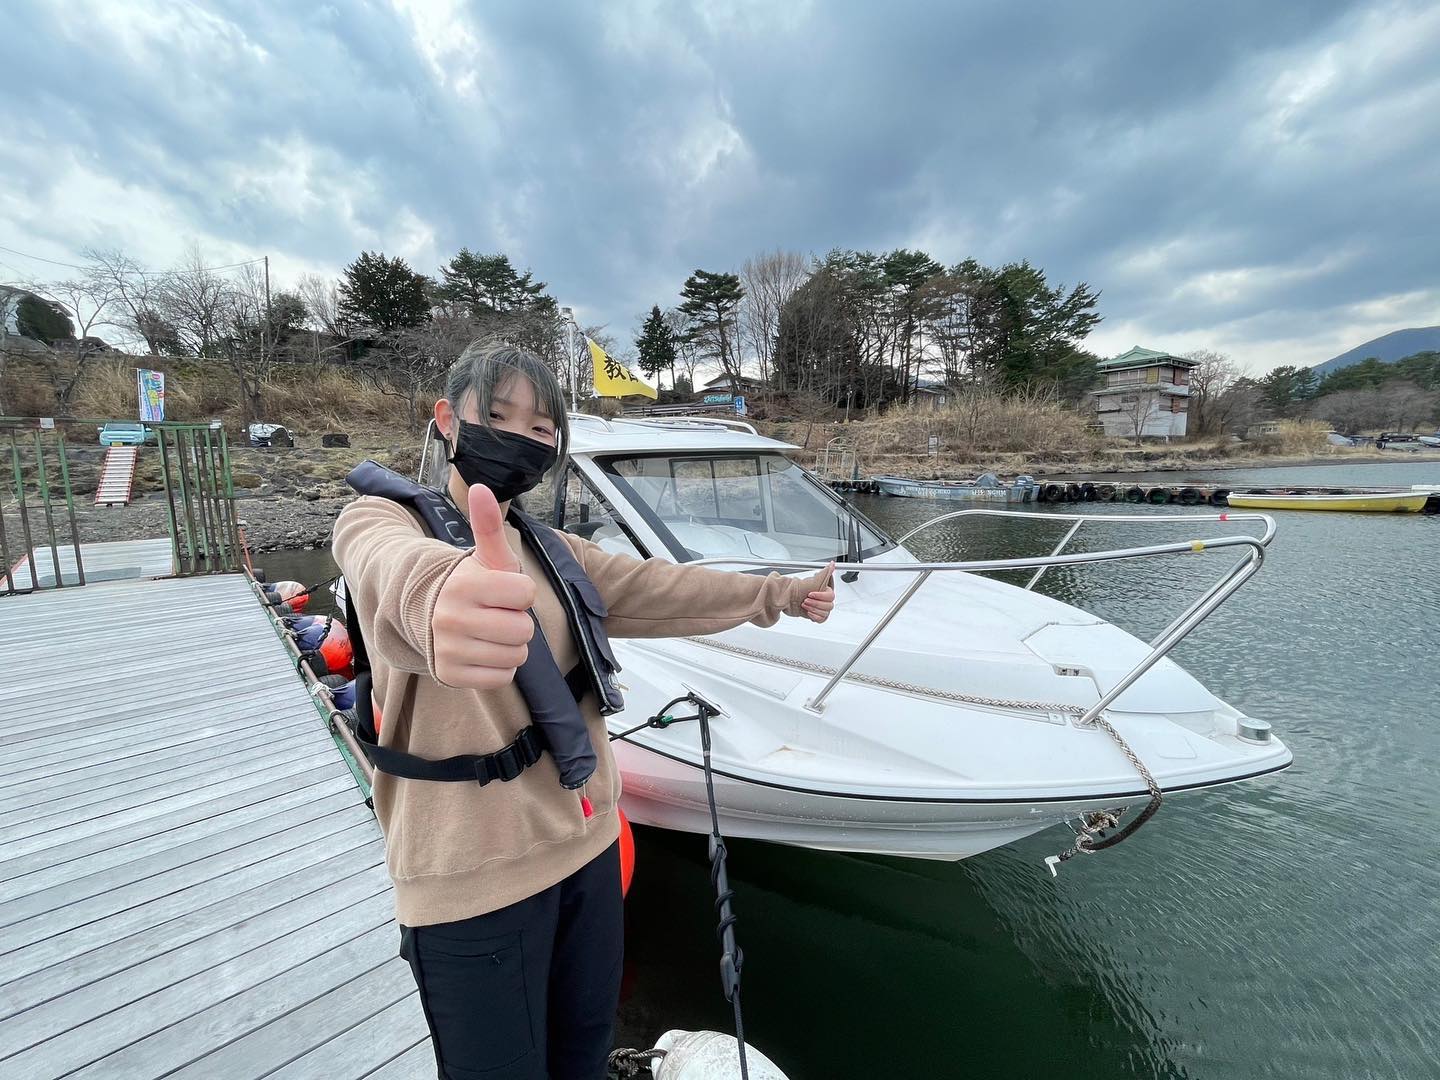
(613,379)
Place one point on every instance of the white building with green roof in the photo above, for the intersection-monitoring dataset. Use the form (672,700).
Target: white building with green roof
(1145,394)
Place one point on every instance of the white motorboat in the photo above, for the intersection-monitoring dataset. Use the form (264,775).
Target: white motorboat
(938,713)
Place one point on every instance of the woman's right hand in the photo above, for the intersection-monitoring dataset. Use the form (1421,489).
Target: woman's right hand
(481,624)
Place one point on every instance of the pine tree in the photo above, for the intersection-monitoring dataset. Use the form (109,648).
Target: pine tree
(711,301)
(656,346)
(487,284)
(383,295)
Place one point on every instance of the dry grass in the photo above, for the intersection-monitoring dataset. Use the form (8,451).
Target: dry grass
(1295,437)
(1002,433)
(306,398)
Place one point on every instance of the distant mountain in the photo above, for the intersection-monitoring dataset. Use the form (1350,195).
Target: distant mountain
(1388,348)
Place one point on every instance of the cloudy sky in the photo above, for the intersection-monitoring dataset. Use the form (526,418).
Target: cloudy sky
(1259,178)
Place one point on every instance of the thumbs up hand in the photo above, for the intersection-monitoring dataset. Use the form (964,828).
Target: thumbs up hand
(480,626)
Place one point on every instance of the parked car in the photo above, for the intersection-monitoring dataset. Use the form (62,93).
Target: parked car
(123,433)
(1401,439)
(270,435)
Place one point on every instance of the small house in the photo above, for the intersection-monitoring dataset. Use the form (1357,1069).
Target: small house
(1145,394)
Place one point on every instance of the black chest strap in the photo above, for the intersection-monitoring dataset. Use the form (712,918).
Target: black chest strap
(504,764)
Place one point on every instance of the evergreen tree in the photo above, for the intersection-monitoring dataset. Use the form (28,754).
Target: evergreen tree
(383,295)
(656,346)
(1285,390)
(711,301)
(487,284)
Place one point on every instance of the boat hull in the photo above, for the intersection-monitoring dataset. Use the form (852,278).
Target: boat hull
(1395,502)
(667,793)
(954,492)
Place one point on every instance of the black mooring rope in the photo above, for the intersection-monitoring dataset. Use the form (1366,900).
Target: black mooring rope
(732,958)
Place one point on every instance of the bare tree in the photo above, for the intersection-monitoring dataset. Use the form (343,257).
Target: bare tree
(321,297)
(1138,410)
(1213,374)
(248,338)
(196,303)
(412,361)
(687,354)
(769,281)
(90,301)
(1350,411)
(138,296)
(1405,404)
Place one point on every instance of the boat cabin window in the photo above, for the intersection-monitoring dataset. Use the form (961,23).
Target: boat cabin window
(754,506)
(576,507)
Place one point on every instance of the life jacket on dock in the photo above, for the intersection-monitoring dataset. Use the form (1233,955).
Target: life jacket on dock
(552,698)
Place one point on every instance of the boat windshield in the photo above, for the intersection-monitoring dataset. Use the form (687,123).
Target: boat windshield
(760,506)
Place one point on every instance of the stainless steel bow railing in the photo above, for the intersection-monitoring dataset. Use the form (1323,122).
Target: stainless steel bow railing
(1160,645)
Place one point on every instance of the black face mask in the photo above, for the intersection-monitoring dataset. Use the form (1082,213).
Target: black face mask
(506,463)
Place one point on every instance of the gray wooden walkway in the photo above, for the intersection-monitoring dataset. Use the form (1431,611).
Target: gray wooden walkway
(103,562)
(190,882)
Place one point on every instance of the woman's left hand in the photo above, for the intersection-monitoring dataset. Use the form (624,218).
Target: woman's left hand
(818,605)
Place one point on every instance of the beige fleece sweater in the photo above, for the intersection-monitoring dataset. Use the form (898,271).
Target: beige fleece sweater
(456,850)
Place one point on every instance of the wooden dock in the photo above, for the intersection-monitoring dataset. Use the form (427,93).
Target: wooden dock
(190,882)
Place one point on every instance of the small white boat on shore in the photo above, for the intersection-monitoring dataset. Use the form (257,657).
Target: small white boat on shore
(987,488)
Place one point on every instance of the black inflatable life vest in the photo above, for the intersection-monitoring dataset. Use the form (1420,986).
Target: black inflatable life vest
(553,699)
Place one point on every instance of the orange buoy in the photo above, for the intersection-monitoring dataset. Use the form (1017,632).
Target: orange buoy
(292,593)
(627,853)
(337,651)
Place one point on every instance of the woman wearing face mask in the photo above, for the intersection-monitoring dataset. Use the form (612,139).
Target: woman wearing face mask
(508,891)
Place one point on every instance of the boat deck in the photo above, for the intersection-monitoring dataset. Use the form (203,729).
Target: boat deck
(190,882)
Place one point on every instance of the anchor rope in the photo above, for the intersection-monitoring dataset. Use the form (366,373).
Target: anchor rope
(1091,837)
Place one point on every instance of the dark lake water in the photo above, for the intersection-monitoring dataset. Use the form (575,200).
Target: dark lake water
(1283,928)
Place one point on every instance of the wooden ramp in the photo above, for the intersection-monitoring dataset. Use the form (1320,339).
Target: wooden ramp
(190,882)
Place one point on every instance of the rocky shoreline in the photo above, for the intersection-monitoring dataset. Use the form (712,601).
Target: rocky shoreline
(289,500)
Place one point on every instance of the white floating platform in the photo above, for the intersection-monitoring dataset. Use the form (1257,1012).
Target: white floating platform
(115,561)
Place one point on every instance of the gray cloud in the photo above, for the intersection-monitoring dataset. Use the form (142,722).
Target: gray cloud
(1254,177)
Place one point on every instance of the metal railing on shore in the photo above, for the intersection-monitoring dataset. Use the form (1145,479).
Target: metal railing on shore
(195,476)
(1253,548)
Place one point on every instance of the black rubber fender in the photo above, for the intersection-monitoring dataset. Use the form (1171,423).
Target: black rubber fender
(1159,496)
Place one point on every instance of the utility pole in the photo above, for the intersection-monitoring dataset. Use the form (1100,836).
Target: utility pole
(269,328)
(570,355)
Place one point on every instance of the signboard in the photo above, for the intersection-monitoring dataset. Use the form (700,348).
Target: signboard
(934,446)
(739,405)
(718,399)
(151,385)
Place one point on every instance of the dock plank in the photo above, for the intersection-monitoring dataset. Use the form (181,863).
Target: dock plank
(189,879)
(417,1063)
(123,988)
(33,917)
(90,952)
(74,944)
(285,1042)
(320,800)
(398,1023)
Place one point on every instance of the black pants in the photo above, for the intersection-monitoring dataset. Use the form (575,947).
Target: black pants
(528,992)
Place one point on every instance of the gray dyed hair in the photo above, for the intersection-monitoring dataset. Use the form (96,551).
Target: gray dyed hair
(484,368)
